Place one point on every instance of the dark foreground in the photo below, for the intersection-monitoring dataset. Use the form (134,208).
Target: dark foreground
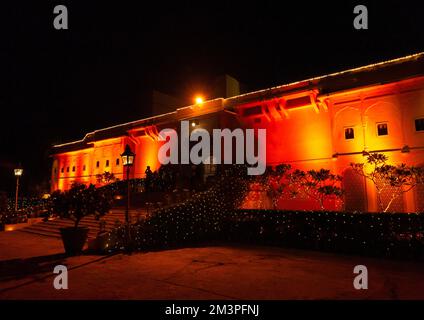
(230,272)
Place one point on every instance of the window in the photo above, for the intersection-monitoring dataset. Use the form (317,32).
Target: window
(382,129)
(117,162)
(55,170)
(97,164)
(73,169)
(419,124)
(67,169)
(62,170)
(107,163)
(349,133)
(83,168)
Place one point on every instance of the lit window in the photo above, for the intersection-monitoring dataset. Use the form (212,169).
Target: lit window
(349,133)
(382,129)
(107,163)
(419,124)
(97,164)
(117,162)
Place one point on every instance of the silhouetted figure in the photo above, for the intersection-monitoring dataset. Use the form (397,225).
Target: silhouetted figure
(148,179)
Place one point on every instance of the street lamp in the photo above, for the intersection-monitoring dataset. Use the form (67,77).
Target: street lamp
(18,174)
(128,161)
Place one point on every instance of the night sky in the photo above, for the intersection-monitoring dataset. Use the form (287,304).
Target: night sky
(57,85)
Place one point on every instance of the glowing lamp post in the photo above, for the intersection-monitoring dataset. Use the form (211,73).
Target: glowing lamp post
(18,174)
(127,161)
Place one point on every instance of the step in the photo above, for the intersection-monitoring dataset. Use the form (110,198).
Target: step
(55,229)
(56,224)
(65,222)
(60,222)
(51,228)
(41,233)
(91,220)
(55,233)
(51,234)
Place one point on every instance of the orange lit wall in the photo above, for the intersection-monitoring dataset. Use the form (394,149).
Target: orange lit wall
(313,137)
(146,155)
(104,156)
(69,168)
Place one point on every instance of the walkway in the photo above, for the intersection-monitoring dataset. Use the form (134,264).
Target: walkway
(231,272)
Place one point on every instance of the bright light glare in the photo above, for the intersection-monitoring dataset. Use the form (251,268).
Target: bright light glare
(199,100)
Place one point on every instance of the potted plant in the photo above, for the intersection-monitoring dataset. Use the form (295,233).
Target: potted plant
(75,204)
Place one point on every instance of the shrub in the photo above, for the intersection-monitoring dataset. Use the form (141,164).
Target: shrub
(395,235)
(81,201)
(375,234)
(200,219)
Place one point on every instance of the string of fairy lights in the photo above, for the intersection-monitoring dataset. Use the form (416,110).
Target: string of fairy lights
(203,217)
(378,234)
(28,207)
(212,215)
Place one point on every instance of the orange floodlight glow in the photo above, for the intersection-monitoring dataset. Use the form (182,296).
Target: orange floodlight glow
(199,100)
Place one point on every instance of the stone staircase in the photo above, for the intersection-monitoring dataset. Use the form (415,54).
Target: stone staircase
(51,228)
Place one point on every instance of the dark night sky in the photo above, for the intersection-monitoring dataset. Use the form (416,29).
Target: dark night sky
(58,85)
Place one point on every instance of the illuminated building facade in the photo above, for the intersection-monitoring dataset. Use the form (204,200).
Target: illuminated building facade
(324,122)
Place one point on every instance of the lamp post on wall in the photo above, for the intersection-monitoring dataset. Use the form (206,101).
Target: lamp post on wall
(127,161)
(18,173)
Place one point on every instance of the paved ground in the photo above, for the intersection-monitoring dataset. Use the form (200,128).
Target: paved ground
(20,245)
(200,273)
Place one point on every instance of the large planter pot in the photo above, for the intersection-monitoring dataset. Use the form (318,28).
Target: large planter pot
(74,239)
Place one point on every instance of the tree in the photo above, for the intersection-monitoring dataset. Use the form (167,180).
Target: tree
(107,177)
(394,179)
(277,182)
(315,184)
(81,201)
(318,185)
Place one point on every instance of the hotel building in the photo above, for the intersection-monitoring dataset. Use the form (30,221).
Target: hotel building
(323,122)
